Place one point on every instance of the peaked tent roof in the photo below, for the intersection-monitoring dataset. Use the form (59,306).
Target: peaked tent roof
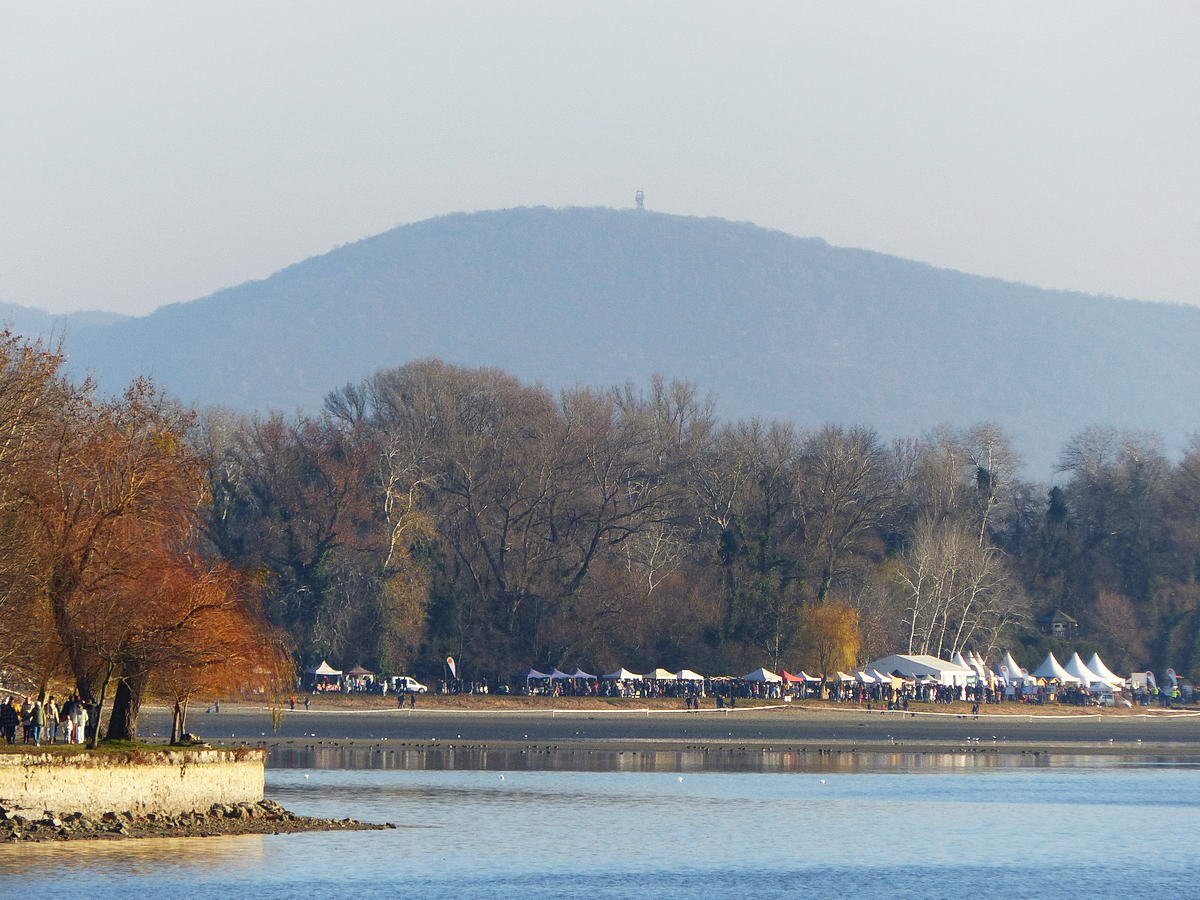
(661,674)
(881,677)
(325,669)
(579,673)
(1050,668)
(1076,666)
(359,670)
(1096,664)
(534,673)
(808,677)
(789,678)
(623,674)
(864,678)
(688,675)
(761,674)
(1014,669)
(558,675)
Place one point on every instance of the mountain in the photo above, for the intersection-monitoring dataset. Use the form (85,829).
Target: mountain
(773,324)
(35,323)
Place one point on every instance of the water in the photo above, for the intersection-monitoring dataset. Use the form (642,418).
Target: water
(675,825)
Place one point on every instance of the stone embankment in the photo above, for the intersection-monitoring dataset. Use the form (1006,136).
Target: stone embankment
(263,817)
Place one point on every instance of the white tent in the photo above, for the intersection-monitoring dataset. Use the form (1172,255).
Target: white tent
(881,677)
(623,674)
(762,675)
(920,666)
(864,678)
(1076,667)
(842,676)
(325,669)
(661,675)
(959,660)
(557,675)
(1015,672)
(808,677)
(579,673)
(535,674)
(688,675)
(1050,668)
(1096,664)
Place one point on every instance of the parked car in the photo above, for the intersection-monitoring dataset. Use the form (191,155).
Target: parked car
(404,684)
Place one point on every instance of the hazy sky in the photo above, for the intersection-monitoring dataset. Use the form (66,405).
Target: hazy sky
(154,152)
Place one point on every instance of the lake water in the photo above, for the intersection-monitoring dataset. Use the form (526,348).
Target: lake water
(675,825)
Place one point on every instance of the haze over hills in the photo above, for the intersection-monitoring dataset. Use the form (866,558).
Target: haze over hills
(774,325)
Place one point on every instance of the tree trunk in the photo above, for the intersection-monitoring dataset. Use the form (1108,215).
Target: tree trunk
(176,722)
(94,740)
(127,704)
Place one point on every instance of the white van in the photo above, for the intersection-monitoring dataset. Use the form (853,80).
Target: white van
(404,684)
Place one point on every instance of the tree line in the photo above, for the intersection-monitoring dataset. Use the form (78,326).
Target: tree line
(433,510)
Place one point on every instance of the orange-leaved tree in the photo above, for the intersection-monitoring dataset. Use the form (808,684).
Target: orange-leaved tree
(830,637)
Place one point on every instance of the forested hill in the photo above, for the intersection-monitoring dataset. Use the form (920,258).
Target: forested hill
(774,325)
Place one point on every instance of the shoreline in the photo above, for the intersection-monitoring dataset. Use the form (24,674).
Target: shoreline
(264,817)
(797,728)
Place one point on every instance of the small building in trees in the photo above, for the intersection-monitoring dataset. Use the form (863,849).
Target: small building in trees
(1058,624)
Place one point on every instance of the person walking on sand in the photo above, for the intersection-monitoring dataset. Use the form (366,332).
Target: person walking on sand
(306,704)
(412,699)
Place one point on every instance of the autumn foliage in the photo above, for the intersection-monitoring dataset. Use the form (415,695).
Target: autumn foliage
(102,579)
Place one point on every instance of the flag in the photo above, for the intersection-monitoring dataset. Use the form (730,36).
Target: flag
(452,666)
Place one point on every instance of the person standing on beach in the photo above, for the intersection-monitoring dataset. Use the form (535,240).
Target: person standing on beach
(412,699)
(37,721)
(51,720)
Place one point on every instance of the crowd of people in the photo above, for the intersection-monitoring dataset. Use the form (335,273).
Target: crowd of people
(42,719)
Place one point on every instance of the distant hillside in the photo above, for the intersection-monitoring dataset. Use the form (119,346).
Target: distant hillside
(773,324)
(34,323)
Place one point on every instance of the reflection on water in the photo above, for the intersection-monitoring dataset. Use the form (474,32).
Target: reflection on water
(487,823)
(143,856)
(715,759)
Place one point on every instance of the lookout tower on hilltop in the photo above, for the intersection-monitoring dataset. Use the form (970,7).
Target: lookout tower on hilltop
(640,198)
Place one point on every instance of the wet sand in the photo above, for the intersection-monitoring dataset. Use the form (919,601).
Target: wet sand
(790,728)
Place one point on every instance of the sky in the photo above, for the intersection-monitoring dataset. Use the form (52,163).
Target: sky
(155,152)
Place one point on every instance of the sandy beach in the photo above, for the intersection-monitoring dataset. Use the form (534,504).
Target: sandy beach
(796,726)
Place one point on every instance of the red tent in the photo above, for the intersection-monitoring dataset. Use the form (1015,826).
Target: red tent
(789,678)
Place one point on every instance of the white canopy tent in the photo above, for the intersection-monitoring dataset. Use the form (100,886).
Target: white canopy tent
(623,674)
(557,675)
(579,673)
(661,674)
(1050,668)
(534,675)
(1076,666)
(808,677)
(1096,664)
(881,677)
(921,666)
(325,669)
(688,675)
(1015,672)
(864,678)
(761,674)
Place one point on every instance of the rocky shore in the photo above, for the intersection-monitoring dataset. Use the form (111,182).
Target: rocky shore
(264,817)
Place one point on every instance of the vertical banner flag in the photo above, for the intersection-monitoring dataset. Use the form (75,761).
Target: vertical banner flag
(452,667)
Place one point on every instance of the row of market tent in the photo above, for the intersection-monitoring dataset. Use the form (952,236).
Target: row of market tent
(961,670)
(622,674)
